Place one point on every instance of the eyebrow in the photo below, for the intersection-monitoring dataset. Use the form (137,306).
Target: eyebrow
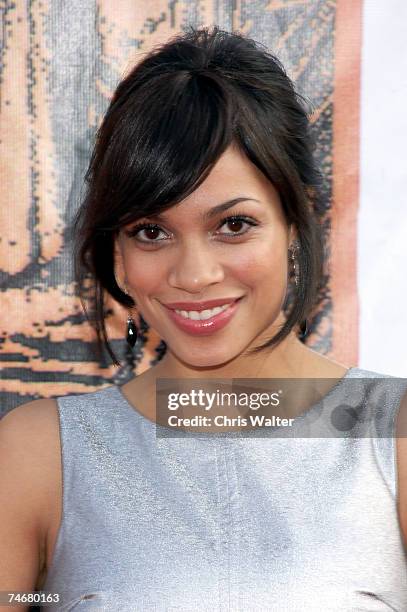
(216,210)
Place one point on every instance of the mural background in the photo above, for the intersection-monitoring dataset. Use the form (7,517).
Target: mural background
(60,63)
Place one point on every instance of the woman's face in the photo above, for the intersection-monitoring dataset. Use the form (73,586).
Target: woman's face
(189,256)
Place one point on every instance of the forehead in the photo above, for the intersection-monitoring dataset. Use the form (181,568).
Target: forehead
(233,176)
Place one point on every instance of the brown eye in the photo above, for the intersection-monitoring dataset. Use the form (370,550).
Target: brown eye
(151,232)
(235,224)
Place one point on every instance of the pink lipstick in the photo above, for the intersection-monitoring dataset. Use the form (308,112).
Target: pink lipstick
(203,327)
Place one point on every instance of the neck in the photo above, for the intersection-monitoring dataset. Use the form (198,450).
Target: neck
(289,359)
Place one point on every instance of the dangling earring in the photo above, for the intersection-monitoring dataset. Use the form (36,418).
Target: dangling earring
(294,250)
(295,247)
(131,330)
(131,333)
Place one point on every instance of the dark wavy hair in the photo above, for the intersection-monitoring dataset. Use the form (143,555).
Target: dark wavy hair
(169,121)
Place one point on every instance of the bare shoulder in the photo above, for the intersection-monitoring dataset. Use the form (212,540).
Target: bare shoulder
(32,430)
(30,468)
(401,452)
(37,413)
(29,436)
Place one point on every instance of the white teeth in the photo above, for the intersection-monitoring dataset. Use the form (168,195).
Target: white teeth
(203,314)
(207,314)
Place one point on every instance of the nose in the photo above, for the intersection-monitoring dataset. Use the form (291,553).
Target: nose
(197,266)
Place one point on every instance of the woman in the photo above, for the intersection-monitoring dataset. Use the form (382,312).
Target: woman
(202,217)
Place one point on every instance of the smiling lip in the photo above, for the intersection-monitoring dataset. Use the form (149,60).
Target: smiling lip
(206,326)
(198,306)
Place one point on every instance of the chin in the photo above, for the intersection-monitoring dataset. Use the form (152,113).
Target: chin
(205,357)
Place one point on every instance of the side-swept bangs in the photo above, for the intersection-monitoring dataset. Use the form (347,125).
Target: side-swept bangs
(168,123)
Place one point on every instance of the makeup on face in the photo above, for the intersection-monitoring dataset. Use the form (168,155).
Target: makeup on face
(210,273)
(200,320)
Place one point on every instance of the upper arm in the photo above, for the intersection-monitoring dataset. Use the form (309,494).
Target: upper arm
(24,491)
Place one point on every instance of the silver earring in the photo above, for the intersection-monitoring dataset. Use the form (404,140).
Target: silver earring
(294,250)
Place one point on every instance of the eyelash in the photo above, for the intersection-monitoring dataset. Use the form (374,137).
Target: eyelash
(141,226)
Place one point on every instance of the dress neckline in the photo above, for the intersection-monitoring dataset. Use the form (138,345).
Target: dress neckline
(128,406)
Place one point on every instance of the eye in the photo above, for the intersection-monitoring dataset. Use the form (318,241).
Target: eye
(151,230)
(235,221)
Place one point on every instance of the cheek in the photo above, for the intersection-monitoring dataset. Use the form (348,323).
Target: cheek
(267,264)
(264,263)
(145,272)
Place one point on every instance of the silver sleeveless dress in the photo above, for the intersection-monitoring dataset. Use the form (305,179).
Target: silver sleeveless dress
(231,523)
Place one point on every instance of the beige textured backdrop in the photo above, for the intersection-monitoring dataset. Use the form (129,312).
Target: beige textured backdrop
(60,63)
